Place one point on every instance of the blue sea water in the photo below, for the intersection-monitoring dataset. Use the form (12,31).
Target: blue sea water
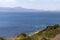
(12,23)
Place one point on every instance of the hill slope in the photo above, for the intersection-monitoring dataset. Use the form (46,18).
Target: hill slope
(17,9)
(49,33)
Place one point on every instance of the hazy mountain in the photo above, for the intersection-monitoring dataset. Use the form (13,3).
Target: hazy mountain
(16,9)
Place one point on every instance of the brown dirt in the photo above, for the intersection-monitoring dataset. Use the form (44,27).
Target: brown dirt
(57,37)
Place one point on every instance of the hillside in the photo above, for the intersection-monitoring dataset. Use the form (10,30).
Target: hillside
(17,9)
(48,33)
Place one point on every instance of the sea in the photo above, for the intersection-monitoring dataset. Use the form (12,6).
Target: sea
(13,23)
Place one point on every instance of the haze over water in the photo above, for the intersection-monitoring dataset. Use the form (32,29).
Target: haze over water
(12,23)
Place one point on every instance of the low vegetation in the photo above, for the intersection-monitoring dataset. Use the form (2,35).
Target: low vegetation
(1,38)
(46,34)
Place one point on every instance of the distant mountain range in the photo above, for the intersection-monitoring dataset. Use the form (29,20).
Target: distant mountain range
(16,9)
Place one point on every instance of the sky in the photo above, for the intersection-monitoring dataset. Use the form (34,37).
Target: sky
(32,4)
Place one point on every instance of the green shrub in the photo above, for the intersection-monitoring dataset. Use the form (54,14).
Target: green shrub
(43,38)
(1,38)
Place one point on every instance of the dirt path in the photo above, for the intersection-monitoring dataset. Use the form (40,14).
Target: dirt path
(57,37)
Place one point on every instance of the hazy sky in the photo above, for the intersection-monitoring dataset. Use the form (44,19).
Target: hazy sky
(32,4)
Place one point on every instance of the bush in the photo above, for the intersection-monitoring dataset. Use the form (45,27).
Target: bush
(43,38)
(1,38)
(23,34)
